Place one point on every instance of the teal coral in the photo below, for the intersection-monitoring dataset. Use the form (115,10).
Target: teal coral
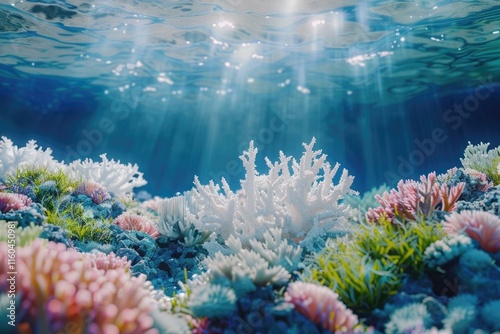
(443,251)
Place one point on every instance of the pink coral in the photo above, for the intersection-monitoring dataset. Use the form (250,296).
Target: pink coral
(322,306)
(137,223)
(14,202)
(413,199)
(108,261)
(152,204)
(481,226)
(94,190)
(60,289)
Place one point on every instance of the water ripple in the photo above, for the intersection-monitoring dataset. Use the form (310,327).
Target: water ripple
(384,49)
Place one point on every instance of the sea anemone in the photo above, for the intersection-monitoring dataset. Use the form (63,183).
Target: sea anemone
(484,227)
(13,202)
(322,306)
(134,222)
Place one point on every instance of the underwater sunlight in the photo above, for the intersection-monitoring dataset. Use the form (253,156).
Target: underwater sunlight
(232,166)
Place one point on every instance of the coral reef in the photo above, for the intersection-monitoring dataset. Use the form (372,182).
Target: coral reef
(293,251)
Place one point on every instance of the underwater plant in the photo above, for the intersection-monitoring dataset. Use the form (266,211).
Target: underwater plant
(483,227)
(72,217)
(117,178)
(41,184)
(400,243)
(414,199)
(479,158)
(305,203)
(322,306)
(363,283)
(134,222)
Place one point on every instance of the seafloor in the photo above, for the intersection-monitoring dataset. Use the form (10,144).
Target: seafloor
(294,250)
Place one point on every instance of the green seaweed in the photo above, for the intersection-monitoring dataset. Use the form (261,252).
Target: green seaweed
(72,218)
(35,177)
(402,243)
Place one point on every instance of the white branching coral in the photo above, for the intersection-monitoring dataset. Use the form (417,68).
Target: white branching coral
(117,178)
(13,158)
(301,200)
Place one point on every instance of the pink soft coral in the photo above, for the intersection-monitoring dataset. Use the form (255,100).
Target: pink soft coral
(60,289)
(14,202)
(413,199)
(97,192)
(108,261)
(137,223)
(322,306)
(481,226)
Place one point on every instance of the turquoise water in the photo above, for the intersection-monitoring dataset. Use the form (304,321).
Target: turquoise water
(390,89)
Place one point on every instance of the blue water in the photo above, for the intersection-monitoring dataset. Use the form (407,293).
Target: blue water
(390,89)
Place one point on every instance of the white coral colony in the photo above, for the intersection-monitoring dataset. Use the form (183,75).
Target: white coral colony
(304,201)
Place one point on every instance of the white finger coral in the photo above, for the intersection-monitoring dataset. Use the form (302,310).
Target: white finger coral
(117,178)
(304,201)
(13,158)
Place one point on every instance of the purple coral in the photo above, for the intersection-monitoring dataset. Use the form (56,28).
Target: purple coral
(94,190)
(9,201)
(135,222)
(413,199)
(322,306)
